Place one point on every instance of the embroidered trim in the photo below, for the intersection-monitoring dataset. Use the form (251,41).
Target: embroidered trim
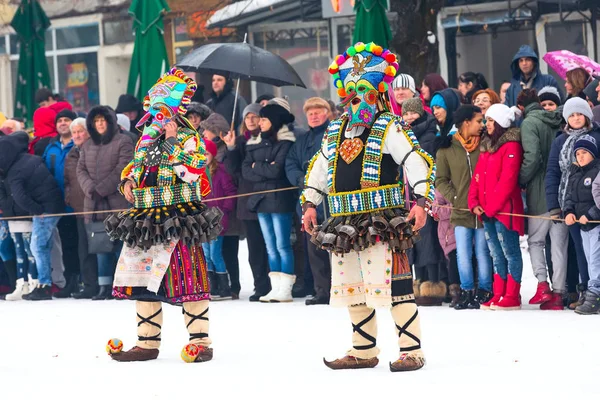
(361,201)
(374,151)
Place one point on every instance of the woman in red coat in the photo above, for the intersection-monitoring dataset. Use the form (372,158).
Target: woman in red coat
(494,190)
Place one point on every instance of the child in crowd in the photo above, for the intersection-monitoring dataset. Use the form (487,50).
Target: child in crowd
(581,207)
(222,186)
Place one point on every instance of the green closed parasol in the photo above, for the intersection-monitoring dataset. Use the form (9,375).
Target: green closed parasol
(149,61)
(30,23)
(372,24)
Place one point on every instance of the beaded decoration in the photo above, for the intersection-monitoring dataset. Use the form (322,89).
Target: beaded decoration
(159,196)
(374,151)
(361,201)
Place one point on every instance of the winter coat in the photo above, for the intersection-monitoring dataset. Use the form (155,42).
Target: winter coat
(495,183)
(455,169)
(539,80)
(425,129)
(553,171)
(223,104)
(54,157)
(74,196)
(222,186)
(596,113)
(27,187)
(445,227)
(538,131)
(102,159)
(580,198)
(264,166)
(298,159)
(233,163)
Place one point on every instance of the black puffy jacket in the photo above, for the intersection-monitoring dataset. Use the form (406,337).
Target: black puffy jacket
(26,186)
(579,199)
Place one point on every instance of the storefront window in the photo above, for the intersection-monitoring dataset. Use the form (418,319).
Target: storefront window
(306,50)
(119,31)
(78,80)
(77,36)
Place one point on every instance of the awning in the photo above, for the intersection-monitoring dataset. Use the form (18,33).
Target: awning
(251,12)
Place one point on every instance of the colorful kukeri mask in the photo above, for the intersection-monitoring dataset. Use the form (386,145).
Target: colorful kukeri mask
(166,100)
(360,75)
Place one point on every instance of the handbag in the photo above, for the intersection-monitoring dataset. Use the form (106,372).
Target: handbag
(98,240)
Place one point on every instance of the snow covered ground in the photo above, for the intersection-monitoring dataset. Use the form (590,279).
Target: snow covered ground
(273,351)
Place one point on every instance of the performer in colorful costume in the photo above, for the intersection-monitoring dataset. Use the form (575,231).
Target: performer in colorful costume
(370,228)
(163,259)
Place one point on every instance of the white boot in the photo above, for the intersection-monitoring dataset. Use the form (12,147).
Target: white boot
(274,277)
(284,295)
(22,288)
(33,283)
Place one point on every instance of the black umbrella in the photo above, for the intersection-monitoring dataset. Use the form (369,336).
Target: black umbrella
(241,61)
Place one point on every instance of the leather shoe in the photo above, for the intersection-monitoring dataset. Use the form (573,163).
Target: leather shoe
(315,300)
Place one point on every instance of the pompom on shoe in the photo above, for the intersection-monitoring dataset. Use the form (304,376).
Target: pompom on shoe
(408,362)
(114,346)
(192,353)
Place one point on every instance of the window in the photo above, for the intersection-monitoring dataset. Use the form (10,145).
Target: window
(119,31)
(182,43)
(77,36)
(78,79)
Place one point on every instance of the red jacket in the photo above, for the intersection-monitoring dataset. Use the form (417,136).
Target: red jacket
(495,183)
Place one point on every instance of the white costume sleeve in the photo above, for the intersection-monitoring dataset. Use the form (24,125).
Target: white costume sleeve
(316,178)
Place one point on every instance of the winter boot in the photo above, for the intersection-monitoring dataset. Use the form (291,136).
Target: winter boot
(542,294)
(105,293)
(432,294)
(454,291)
(284,294)
(408,326)
(196,321)
(150,318)
(299,290)
(417,288)
(499,288)
(224,288)
(22,288)
(364,350)
(214,283)
(41,292)
(555,303)
(581,290)
(467,301)
(65,292)
(87,292)
(482,296)
(275,278)
(591,305)
(512,298)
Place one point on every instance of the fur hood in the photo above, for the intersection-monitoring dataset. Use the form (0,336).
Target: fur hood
(511,135)
(283,134)
(111,121)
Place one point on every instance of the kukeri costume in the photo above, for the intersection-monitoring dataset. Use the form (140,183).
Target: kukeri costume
(163,260)
(359,168)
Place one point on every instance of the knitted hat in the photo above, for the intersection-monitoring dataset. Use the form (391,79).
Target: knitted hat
(280,101)
(66,113)
(253,108)
(438,101)
(404,81)
(590,92)
(549,93)
(278,116)
(502,114)
(215,123)
(577,105)
(414,105)
(588,143)
(123,122)
(211,147)
(316,102)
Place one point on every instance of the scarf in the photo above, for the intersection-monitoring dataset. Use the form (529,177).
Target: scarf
(566,160)
(469,145)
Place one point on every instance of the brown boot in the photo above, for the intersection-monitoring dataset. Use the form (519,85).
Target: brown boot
(350,362)
(408,362)
(454,294)
(135,354)
(150,318)
(417,288)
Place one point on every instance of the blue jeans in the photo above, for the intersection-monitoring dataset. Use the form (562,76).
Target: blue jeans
(41,246)
(591,246)
(464,255)
(213,253)
(107,262)
(276,229)
(25,259)
(7,247)
(505,249)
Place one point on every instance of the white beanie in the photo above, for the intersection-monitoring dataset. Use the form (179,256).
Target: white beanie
(577,105)
(123,122)
(502,114)
(404,81)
